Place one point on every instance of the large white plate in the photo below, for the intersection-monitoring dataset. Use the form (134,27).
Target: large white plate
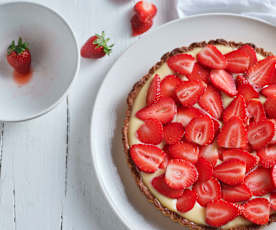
(107,151)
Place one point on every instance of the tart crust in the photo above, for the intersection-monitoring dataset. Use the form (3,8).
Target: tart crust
(135,171)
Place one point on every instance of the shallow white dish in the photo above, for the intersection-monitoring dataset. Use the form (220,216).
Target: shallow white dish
(55,60)
(108,156)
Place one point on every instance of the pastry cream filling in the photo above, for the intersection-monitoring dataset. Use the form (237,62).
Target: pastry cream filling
(197,213)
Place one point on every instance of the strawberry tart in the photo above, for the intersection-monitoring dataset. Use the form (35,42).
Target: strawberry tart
(200,135)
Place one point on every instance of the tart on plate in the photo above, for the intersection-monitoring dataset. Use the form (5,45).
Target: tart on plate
(200,135)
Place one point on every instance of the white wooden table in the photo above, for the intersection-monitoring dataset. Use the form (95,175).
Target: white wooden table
(47,180)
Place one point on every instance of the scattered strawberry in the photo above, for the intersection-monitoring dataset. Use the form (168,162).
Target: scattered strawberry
(211,57)
(200,130)
(269,91)
(273,175)
(189,92)
(237,108)
(96,47)
(180,174)
(199,73)
(151,132)
(261,133)
(147,157)
(251,53)
(173,132)
(259,182)
(255,111)
(185,115)
(160,185)
(153,94)
(257,211)
(210,153)
(247,91)
(184,150)
(273,141)
(228,212)
(181,63)
(139,27)
(19,56)
(165,162)
(145,10)
(273,200)
(236,193)
(168,86)
(237,61)
(270,105)
(164,110)
(223,81)
(233,134)
(241,80)
(267,156)
(205,170)
(187,201)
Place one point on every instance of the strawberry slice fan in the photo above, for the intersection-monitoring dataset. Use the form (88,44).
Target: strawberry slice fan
(206,135)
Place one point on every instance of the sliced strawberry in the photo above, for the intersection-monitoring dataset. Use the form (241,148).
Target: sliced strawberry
(220,212)
(269,91)
(147,157)
(270,105)
(160,185)
(233,134)
(210,153)
(207,191)
(165,162)
(138,27)
(231,171)
(181,63)
(189,92)
(199,73)
(236,193)
(250,160)
(185,115)
(173,132)
(259,182)
(248,92)
(184,150)
(223,81)
(241,80)
(255,111)
(211,102)
(237,61)
(237,108)
(273,175)
(180,174)
(153,94)
(261,73)
(211,57)
(187,201)
(164,110)
(200,130)
(273,200)
(267,156)
(251,53)
(151,132)
(205,170)
(168,86)
(261,133)
(257,211)
(145,10)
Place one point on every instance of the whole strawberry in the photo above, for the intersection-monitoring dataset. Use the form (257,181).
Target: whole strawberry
(19,56)
(96,47)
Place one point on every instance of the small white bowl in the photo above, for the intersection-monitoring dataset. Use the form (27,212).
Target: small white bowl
(55,60)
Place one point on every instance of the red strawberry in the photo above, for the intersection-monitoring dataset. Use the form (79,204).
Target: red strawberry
(257,211)
(270,105)
(138,27)
(261,133)
(168,86)
(270,90)
(19,56)
(210,153)
(184,150)
(237,108)
(211,57)
(250,160)
(267,156)
(220,212)
(273,200)
(180,174)
(247,91)
(96,47)
(185,115)
(223,81)
(261,73)
(145,10)
(147,157)
(199,73)
(241,80)
(259,182)
(200,130)
(151,132)
(165,162)
(233,134)
(237,61)
(231,171)
(205,170)
(181,63)
(153,94)
(189,92)
(173,132)
(211,102)
(164,110)
(255,111)
(273,141)
(273,175)
(236,193)
(186,202)
(160,185)
(207,191)
(251,53)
